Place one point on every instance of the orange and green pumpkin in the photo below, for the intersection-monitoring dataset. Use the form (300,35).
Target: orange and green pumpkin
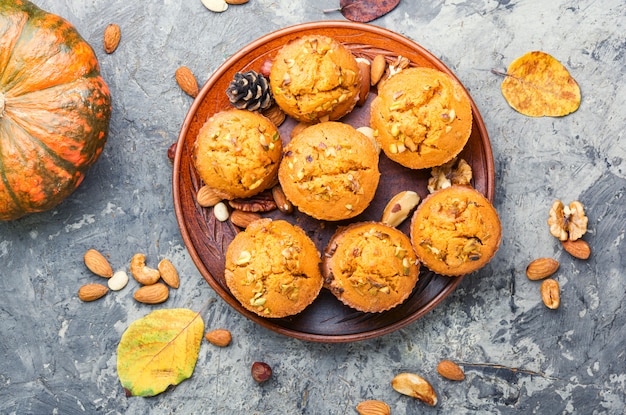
(54,109)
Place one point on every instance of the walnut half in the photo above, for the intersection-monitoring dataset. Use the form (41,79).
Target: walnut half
(455,172)
(567,222)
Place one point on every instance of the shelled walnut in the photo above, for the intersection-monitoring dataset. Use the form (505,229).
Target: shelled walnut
(567,222)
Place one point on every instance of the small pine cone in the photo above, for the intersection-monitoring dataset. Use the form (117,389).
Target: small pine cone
(250,91)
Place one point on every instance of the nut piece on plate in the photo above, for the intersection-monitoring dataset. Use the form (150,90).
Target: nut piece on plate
(97,263)
(450,370)
(142,273)
(242,219)
(578,248)
(399,208)
(91,292)
(567,222)
(219,337)
(373,407)
(416,386)
(208,197)
(379,64)
(282,203)
(364,69)
(550,293)
(541,268)
(455,172)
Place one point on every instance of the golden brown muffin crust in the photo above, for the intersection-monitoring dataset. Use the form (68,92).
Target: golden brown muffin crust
(315,78)
(330,171)
(455,231)
(272,268)
(237,152)
(370,266)
(422,117)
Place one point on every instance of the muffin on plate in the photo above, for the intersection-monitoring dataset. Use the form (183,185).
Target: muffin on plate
(330,171)
(370,267)
(237,153)
(455,231)
(272,268)
(315,78)
(422,117)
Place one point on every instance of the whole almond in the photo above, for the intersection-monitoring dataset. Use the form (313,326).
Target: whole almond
(152,294)
(379,64)
(97,263)
(550,293)
(219,337)
(541,268)
(236,1)
(364,69)
(242,219)
(416,386)
(91,292)
(373,407)
(282,203)
(187,81)
(578,248)
(112,35)
(168,273)
(208,197)
(450,370)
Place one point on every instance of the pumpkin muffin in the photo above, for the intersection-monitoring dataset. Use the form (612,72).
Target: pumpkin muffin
(422,117)
(370,266)
(455,231)
(330,171)
(315,78)
(237,153)
(272,268)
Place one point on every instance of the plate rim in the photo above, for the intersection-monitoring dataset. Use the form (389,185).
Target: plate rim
(241,53)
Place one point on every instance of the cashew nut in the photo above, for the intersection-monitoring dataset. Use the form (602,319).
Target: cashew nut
(143,274)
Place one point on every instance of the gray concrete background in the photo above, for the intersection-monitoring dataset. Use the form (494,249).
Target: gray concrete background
(59,354)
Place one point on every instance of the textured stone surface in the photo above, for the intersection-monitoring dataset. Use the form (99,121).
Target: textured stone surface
(59,354)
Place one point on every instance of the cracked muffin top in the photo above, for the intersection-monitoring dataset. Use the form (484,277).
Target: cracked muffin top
(455,231)
(237,153)
(370,266)
(330,171)
(421,117)
(315,78)
(272,268)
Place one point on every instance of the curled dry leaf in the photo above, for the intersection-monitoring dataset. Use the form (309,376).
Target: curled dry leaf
(159,350)
(537,85)
(366,10)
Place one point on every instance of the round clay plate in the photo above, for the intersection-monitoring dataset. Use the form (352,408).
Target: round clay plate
(327,319)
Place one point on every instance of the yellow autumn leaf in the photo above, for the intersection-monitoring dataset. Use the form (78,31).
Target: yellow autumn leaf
(159,350)
(537,85)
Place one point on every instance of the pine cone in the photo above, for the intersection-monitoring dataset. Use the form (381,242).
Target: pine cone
(249,91)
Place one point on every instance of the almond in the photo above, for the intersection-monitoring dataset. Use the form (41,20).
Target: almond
(416,386)
(379,64)
(97,263)
(187,81)
(281,201)
(450,370)
(364,69)
(152,294)
(242,219)
(168,273)
(373,407)
(219,337)
(541,268)
(578,248)
(208,197)
(236,1)
(91,292)
(112,35)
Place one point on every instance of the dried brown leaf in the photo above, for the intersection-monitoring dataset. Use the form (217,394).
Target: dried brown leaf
(366,10)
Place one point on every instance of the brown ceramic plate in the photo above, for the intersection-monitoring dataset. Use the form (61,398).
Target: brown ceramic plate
(326,320)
